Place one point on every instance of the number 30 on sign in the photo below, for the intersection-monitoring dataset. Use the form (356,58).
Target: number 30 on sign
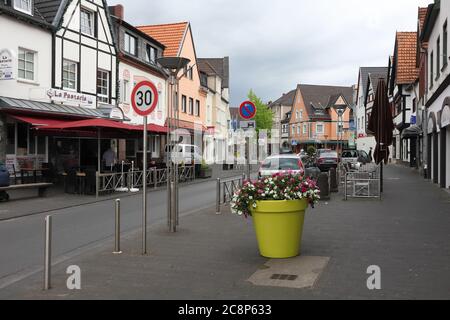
(144,98)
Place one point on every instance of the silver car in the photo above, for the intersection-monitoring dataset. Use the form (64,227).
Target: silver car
(281,164)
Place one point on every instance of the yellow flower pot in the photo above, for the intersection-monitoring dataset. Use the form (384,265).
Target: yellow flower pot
(279,227)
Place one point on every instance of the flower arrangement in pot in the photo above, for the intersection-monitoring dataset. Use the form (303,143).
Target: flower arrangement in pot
(277,205)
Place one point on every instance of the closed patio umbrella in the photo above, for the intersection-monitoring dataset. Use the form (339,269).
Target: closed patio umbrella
(381,125)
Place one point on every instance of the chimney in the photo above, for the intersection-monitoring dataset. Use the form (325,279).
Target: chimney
(117,11)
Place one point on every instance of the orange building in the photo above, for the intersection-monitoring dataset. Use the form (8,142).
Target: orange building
(179,42)
(315,120)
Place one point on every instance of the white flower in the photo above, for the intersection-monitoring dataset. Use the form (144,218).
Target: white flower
(254,205)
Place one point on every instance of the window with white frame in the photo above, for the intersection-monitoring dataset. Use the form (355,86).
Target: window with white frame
(103,86)
(125,90)
(24,6)
(87,22)
(319,128)
(183,103)
(70,70)
(298,129)
(301,114)
(293,129)
(197,108)
(191,106)
(305,128)
(26,64)
(130,44)
(296,115)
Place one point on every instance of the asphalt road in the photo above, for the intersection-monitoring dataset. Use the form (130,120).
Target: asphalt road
(80,228)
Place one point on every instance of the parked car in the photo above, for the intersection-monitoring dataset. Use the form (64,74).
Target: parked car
(320,151)
(184,154)
(281,164)
(327,160)
(355,157)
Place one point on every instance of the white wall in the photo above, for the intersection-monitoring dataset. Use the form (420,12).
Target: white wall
(32,38)
(136,75)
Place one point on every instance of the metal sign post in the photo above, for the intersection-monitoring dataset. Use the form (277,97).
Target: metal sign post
(144,100)
(247,111)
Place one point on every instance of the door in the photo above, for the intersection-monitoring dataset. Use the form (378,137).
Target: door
(435,158)
(443,156)
(413,153)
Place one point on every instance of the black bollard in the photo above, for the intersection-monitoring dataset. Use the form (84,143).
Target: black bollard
(322,183)
(333,180)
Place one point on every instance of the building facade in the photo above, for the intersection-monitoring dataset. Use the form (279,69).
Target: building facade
(321,117)
(179,42)
(402,76)
(214,75)
(435,34)
(365,141)
(137,55)
(280,109)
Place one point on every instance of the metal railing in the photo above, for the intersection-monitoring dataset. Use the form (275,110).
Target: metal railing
(116,181)
(363,184)
(225,189)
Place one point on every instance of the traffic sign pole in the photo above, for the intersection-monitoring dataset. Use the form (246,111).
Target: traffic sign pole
(144,100)
(144,195)
(247,110)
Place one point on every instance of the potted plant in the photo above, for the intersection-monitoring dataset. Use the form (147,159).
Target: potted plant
(277,205)
(205,170)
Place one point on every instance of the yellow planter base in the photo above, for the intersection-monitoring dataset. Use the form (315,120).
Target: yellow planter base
(279,226)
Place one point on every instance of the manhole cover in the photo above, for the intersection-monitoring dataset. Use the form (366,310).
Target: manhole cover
(287,277)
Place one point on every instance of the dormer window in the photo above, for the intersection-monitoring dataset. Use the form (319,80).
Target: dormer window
(24,6)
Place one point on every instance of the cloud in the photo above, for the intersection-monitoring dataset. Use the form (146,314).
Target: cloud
(273,45)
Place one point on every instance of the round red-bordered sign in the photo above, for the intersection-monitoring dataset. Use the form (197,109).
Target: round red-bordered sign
(144,98)
(247,110)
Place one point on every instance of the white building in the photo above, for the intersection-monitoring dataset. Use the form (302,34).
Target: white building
(214,75)
(137,62)
(402,76)
(59,65)
(438,97)
(365,141)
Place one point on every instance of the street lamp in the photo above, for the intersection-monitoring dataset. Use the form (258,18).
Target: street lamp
(173,66)
(340,126)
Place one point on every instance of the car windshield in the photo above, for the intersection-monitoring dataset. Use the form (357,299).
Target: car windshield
(281,164)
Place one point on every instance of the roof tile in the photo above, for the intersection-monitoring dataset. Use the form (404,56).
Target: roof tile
(407,72)
(171,35)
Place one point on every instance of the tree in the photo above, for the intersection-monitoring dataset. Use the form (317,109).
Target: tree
(264,116)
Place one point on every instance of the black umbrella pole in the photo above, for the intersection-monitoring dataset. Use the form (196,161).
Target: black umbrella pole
(381,177)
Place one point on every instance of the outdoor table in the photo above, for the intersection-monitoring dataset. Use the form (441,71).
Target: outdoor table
(30,170)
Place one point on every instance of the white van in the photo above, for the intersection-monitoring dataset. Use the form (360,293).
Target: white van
(184,154)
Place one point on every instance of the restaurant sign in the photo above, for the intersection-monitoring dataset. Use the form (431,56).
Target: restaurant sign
(6,64)
(71,98)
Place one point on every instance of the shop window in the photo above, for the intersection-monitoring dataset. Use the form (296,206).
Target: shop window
(41,145)
(22,139)
(11,138)
(130,148)
(32,144)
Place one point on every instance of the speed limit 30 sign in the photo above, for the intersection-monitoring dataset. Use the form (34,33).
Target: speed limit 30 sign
(144,98)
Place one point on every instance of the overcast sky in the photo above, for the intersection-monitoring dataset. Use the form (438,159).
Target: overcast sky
(273,45)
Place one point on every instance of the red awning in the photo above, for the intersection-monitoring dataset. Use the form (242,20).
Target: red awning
(39,122)
(105,123)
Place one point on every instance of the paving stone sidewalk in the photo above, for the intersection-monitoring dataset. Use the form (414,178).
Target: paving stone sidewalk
(407,235)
